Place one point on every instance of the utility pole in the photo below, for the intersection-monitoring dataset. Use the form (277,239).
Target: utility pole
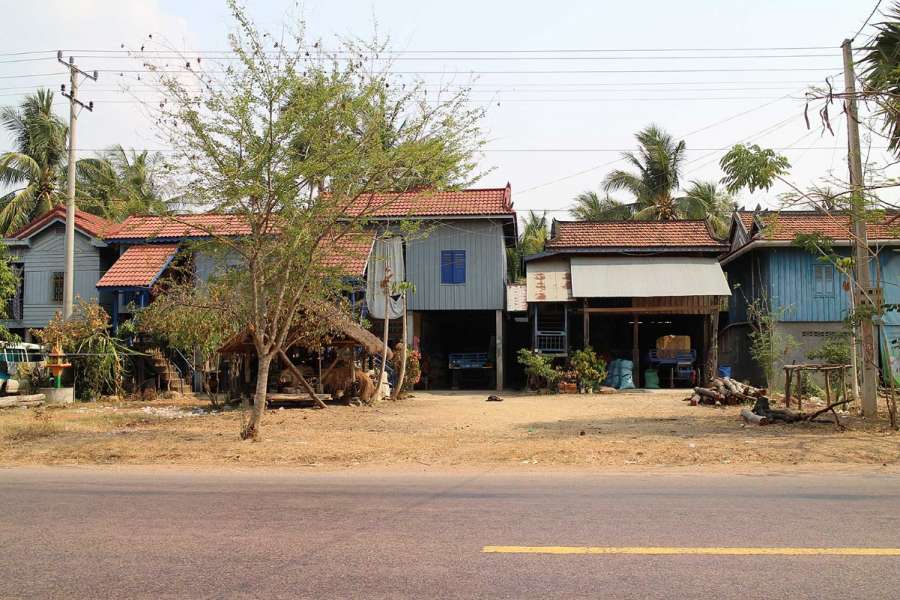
(863,289)
(74,105)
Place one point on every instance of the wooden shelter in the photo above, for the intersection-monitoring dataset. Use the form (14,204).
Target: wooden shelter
(344,333)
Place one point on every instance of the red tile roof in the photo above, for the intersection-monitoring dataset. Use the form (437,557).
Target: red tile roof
(350,254)
(472,202)
(785,225)
(139,266)
(179,226)
(746,217)
(91,224)
(632,234)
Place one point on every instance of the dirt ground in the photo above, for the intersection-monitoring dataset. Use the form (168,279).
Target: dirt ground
(445,430)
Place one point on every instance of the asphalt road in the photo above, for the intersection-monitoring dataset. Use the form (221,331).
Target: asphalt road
(90,533)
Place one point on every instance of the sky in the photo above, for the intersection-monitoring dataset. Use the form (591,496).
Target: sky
(552,76)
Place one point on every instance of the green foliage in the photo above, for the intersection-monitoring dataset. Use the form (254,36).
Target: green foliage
(98,359)
(531,241)
(656,174)
(539,369)
(118,183)
(590,368)
(752,167)
(590,207)
(706,200)
(768,346)
(33,168)
(834,350)
(881,74)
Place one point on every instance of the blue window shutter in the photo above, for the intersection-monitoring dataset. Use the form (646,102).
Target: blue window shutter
(453,266)
(446,266)
(459,267)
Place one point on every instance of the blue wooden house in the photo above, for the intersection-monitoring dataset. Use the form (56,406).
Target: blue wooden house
(809,296)
(37,257)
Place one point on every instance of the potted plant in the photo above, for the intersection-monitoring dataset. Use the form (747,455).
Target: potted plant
(589,368)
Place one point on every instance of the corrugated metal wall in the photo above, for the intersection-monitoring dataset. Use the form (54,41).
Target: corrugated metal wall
(485,267)
(792,280)
(46,256)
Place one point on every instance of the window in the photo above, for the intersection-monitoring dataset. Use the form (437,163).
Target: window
(56,286)
(824,281)
(453,266)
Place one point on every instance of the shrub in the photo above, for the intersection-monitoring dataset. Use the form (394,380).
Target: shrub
(98,358)
(539,369)
(590,368)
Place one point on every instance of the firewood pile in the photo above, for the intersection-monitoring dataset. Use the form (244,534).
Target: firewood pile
(725,391)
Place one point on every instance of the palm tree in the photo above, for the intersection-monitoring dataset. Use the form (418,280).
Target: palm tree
(119,183)
(657,166)
(881,74)
(33,168)
(706,200)
(531,241)
(589,206)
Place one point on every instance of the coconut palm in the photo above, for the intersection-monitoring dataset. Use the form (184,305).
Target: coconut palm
(655,178)
(589,206)
(881,74)
(707,200)
(120,183)
(531,241)
(33,169)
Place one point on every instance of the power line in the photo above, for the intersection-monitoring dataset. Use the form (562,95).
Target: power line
(869,18)
(459,58)
(452,51)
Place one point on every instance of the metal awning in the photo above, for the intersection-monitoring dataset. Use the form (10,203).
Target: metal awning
(646,276)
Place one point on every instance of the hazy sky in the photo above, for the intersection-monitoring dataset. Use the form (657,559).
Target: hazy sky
(555,119)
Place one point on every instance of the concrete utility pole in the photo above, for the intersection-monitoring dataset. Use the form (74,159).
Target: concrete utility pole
(863,288)
(74,105)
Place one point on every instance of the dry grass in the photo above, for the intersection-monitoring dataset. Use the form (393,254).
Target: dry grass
(444,430)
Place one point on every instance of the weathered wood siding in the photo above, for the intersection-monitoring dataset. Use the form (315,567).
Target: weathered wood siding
(485,284)
(793,288)
(748,279)
(46,256)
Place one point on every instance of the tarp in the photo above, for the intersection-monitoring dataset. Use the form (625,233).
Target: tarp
(386,253)
(646,276)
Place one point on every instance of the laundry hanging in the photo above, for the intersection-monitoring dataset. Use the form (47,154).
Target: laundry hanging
(387,253)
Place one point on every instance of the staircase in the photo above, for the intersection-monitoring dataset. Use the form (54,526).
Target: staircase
(169,377)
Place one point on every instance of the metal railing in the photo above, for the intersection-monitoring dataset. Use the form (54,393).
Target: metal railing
(550,342)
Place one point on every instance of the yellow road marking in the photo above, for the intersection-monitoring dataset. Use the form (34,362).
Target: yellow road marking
(721,551)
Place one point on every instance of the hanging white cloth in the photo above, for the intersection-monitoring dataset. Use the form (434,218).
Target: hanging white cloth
(387,253)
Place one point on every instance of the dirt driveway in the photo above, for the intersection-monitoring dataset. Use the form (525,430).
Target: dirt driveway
(625,430)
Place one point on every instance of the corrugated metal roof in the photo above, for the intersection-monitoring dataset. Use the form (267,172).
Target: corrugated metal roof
(631,276)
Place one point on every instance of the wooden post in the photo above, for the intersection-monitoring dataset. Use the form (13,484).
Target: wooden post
(635,353)
(788,374)
(712,345)
(498,359)
(827,387)
(290,366)
(587,326)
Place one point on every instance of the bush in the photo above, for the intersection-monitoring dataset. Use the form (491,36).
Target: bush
(590,368)
(98,358)
(835,350)
(539,369)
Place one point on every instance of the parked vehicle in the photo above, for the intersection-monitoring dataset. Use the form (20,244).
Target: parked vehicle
(14,355)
